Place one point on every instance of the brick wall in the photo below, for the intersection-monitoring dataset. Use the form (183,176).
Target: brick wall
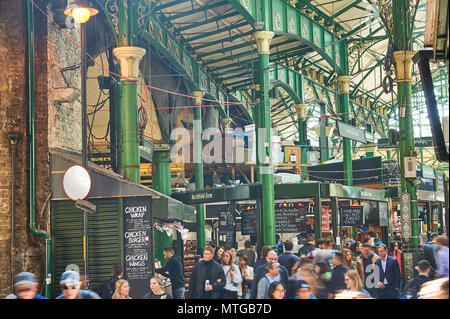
(14,117)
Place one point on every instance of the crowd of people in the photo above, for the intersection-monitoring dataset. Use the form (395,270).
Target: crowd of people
(367,270)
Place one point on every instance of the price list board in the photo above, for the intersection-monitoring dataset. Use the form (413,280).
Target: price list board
(248,214)
(137,238)
(351,216)
(289,218)
(226,226)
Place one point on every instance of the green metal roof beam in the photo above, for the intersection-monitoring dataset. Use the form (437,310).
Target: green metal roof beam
(244,54)
(170,4)
(343,10)
(197,24)
(227,39)
(197,10)
(201,35)
(224,50)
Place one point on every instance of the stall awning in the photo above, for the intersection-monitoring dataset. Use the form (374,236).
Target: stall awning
(107,184)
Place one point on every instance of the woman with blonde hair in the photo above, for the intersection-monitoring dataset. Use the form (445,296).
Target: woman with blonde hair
(354,283)
(122,290)
(156,290)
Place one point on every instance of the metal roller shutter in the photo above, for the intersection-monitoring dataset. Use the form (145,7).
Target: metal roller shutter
(105,239)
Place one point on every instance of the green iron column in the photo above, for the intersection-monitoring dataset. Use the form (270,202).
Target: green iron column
(344,89)
(129,58)
(161,183)
(402,42)
(264,140)
(198,167)
(302,133)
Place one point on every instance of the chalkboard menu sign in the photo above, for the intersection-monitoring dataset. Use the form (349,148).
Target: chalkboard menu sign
(248,214)
(289,218)
(137,244)
(352,216)
(226,226)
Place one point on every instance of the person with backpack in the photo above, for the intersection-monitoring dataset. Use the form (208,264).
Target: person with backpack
(308,247)
(108,287)
(413,285)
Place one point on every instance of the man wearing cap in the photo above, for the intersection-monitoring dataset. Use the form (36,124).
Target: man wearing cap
(25,287)
(303,290)
(413,285)
(70,285)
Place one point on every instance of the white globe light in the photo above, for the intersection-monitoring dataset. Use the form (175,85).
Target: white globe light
(77,182)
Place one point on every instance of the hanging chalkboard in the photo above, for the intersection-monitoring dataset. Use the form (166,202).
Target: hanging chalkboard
(226,226)
(290,217)
(351,216)
(248,215)
(137,232)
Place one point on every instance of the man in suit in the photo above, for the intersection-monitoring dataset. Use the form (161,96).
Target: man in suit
(260,272)
(288,259)
(390,278)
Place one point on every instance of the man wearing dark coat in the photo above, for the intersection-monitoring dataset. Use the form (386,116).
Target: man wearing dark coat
(260,272)
(207,279)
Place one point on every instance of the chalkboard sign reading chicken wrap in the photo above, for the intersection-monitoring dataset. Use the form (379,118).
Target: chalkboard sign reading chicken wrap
(351,216)
(137,244)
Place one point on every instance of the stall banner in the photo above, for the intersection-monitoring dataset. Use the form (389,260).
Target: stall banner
(325,219)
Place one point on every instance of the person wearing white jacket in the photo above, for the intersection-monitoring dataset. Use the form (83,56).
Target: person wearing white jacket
(232,275)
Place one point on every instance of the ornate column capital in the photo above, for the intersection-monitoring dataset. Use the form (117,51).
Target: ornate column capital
(344,83)
(263,39)
(403,65)
(198,95)
(129,59)
(226,121)
(301,110)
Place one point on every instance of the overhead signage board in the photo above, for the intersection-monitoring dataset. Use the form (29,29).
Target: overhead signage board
(146,150)
(365,171)
(426,141)
(351,132)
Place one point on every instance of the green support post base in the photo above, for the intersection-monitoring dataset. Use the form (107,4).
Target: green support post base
(161,183)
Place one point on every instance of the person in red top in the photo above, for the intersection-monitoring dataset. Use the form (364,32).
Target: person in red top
(396,253)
